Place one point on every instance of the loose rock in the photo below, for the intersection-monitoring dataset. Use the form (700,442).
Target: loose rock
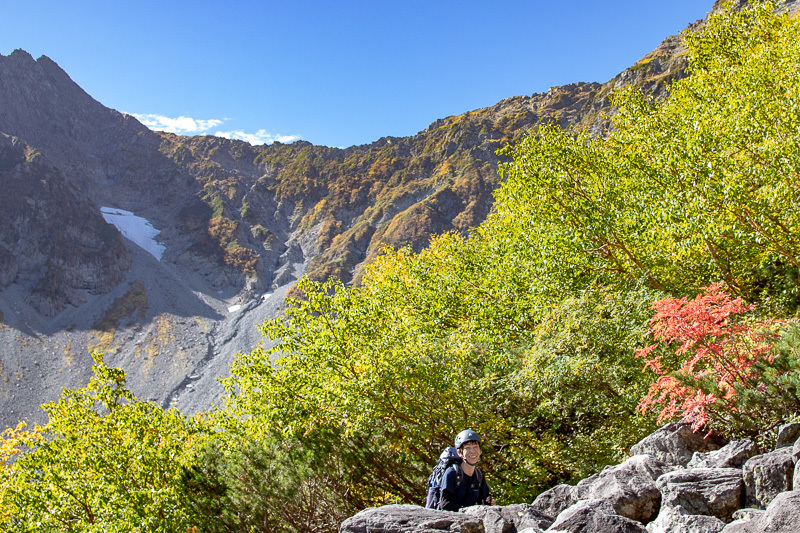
(555,500)
(594,516)
(767,475)
(675,443)
(782,516)
(703,491)
(788,435)
(677,520)
(734,454)
(630,487)
(410,519)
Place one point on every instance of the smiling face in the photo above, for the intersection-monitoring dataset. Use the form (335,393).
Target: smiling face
(471,451)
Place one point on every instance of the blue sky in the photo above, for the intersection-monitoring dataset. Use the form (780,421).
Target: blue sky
(336,73)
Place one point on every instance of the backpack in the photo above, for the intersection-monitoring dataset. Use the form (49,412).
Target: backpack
(448,458)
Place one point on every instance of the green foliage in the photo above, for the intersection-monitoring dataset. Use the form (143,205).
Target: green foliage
(423,349)
(525,331)
(105,462)
(500,331)
(687,191)
(241,484)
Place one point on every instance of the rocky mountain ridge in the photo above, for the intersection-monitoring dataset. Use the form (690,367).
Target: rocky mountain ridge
(240,224)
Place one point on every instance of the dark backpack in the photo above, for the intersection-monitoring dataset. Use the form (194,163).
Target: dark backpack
(448,458)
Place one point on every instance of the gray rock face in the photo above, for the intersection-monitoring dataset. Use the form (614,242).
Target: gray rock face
(748,514)
(555,500)
(782,516)
(796,477)
(732,455)
(788,435)
(796,451)
(677,520)
(767,475)
(703,491)
(509,519)
(491,518)
(675,443)
(629,487)
(594,516)
(524,516)
(408,519)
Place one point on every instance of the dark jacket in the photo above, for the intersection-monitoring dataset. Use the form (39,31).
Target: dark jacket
(472,490)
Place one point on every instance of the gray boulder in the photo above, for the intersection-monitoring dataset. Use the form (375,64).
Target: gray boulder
(796,451)
(594,516)
(491,517)
(677,520)
(509,519)
(524,516)
(630,487)
(748,514)
(788,435)
(732,455)
(410,519)
(675,443)
(555,500)
(703,491)
(796,478)
(782,516)
(766,476)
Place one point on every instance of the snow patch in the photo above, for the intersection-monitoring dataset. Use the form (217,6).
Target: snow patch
(135,228)
(265,296)
(234,308)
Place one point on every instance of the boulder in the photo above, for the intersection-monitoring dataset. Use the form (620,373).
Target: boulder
(630,487)
(766,476)
(491,518)
(675,443)
(594,516)
(509,519)
(524,516)
(732,455)
(788,435)
(410,519)
(796,477)
(782,516)
(553,501)
(748,514)
(677,520)
(703,491)
(796,451)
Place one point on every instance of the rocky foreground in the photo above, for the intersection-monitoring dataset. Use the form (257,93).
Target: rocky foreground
(676,481)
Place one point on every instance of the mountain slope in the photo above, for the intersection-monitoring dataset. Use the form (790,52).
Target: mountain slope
(238,222)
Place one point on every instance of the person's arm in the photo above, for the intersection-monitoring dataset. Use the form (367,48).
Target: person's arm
(448,498)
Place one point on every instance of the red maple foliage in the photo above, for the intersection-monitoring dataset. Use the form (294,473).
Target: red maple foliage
(713,346)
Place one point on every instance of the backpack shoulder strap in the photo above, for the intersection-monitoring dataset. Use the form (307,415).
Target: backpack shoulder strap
(459,474)
(478,477)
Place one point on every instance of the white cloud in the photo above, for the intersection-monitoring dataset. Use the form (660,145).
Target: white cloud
(191,126)
(259,137)
(181,125)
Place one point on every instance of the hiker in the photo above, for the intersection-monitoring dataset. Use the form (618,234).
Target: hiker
(463,484)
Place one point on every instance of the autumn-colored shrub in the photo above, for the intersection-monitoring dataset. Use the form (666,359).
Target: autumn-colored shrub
(714,361)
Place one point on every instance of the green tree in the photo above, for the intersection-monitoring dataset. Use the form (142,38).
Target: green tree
(104,462)
(526,330)
(696,188)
